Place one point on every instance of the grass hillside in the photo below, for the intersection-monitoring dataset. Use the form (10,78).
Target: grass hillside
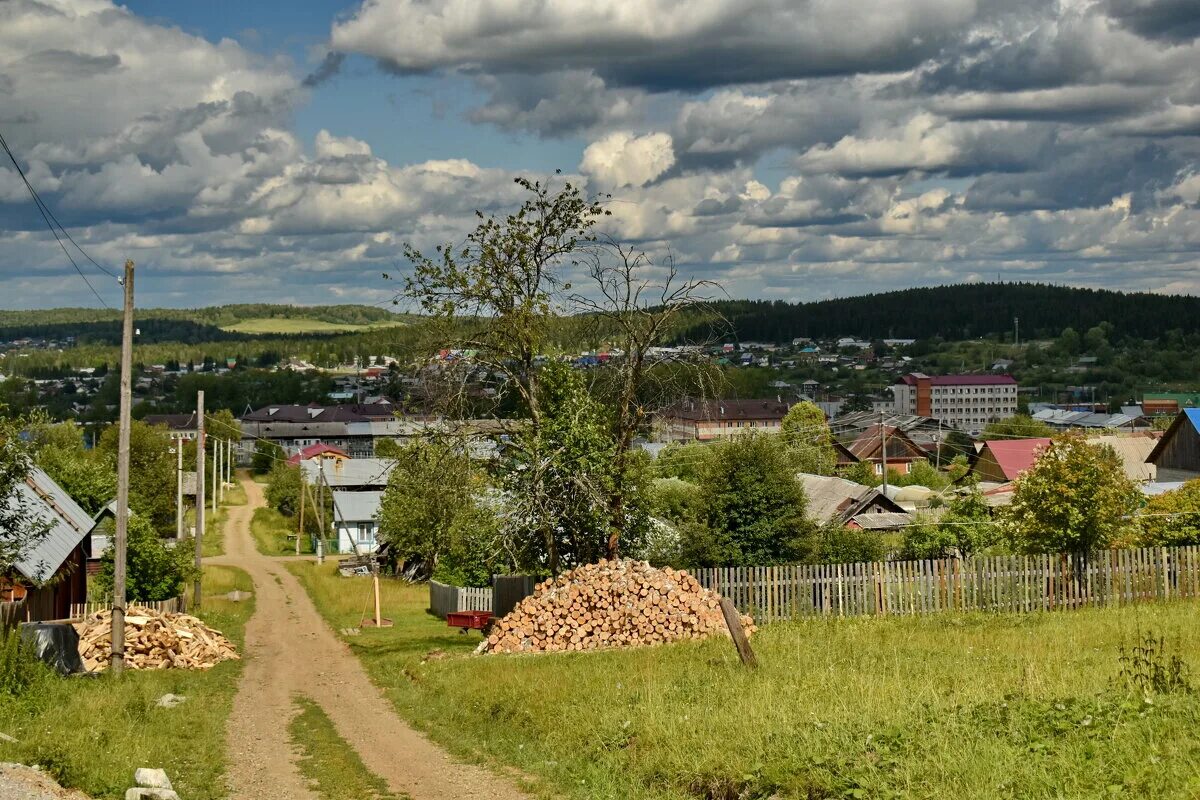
(904,708)
(301,325)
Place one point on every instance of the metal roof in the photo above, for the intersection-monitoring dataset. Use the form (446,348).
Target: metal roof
(351,472)
(69,525)
(356,506)
(1133,452)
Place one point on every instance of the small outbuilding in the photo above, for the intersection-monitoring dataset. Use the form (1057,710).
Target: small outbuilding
(1176,457)
(51,574)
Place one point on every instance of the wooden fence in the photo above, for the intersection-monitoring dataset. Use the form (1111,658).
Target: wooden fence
(172,606)
(445,599)
(1000,583)
(12,614)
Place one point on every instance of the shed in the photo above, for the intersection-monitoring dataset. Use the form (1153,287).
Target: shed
(1177,454)
(52,574)
(837,498)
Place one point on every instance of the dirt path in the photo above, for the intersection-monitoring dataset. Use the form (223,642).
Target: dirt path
(290,650)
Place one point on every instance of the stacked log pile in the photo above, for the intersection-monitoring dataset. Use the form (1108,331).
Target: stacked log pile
(153,641)
(617,603)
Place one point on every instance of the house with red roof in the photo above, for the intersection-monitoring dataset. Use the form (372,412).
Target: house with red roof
(1003,460)
(318,452)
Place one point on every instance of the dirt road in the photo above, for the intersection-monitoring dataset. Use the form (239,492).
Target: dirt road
(290,650)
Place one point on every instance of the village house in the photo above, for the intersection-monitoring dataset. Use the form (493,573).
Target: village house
(355,520)
(709,420)
(52,574)
(901,451)
(1003,460)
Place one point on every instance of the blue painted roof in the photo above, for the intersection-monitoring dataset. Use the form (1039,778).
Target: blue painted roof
(1193,415)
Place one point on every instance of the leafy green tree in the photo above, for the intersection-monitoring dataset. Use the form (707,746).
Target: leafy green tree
(755,504)
(21,527)
(676,500)
(559,476)
(808,439)
(839,544)
(473,552)
(862,472)
(683,461)
(388,448)
(429,489)
(151,471)
(1016,427)
(59,449)
(154,571)
(1075,498)
(1172,518)
(966,528)
(266,455)
(921,473)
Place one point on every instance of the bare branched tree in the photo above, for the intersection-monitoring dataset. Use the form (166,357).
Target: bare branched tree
(639,304)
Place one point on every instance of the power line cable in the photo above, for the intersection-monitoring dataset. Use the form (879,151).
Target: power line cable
(47,216)
(65,232)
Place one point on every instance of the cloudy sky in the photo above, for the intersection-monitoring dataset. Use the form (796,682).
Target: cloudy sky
(791,149)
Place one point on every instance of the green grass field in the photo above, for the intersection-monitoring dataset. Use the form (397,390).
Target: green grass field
(300,325)
(945,706)
(91,733)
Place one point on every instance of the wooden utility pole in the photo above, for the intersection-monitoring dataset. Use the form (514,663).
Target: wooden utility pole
(216,450)
(883,448)
(179,488)
(733,621)
(303,492)
(199,495)
(118,612)
(229,461)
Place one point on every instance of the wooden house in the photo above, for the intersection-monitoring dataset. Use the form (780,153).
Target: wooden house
(902,451)
(52,573)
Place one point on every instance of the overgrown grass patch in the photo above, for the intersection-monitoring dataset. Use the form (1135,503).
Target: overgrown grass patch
(332,768)
(275,534)
(1002,706)
(93,732)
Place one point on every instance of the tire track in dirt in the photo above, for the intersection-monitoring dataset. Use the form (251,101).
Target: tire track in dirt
(290,650)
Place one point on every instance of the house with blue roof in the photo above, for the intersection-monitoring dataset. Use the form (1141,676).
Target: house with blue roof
(51,574)
(1177,454)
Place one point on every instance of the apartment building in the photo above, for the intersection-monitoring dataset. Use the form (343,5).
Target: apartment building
(966,402)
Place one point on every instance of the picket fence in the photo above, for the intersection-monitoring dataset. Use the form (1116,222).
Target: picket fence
(983,583)
(445,599)
(171,606)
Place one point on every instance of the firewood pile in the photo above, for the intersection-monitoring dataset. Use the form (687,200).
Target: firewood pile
(618,603)
(153,641)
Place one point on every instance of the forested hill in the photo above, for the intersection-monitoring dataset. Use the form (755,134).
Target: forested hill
(961,311)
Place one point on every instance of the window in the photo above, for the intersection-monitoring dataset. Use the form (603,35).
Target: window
(366,532)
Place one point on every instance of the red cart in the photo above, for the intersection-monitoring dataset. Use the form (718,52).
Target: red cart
(470,620)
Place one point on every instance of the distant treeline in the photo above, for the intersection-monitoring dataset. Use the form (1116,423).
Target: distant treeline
(961,311)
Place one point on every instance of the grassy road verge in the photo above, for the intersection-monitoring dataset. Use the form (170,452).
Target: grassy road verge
(974,706)
(333,769)
(91,733)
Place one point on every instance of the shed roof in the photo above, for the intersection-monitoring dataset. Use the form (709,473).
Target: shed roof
(69,525)
(1133,451)
(355,506)
(1188,416)
(888,520)
(350,473)
(1014,456)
